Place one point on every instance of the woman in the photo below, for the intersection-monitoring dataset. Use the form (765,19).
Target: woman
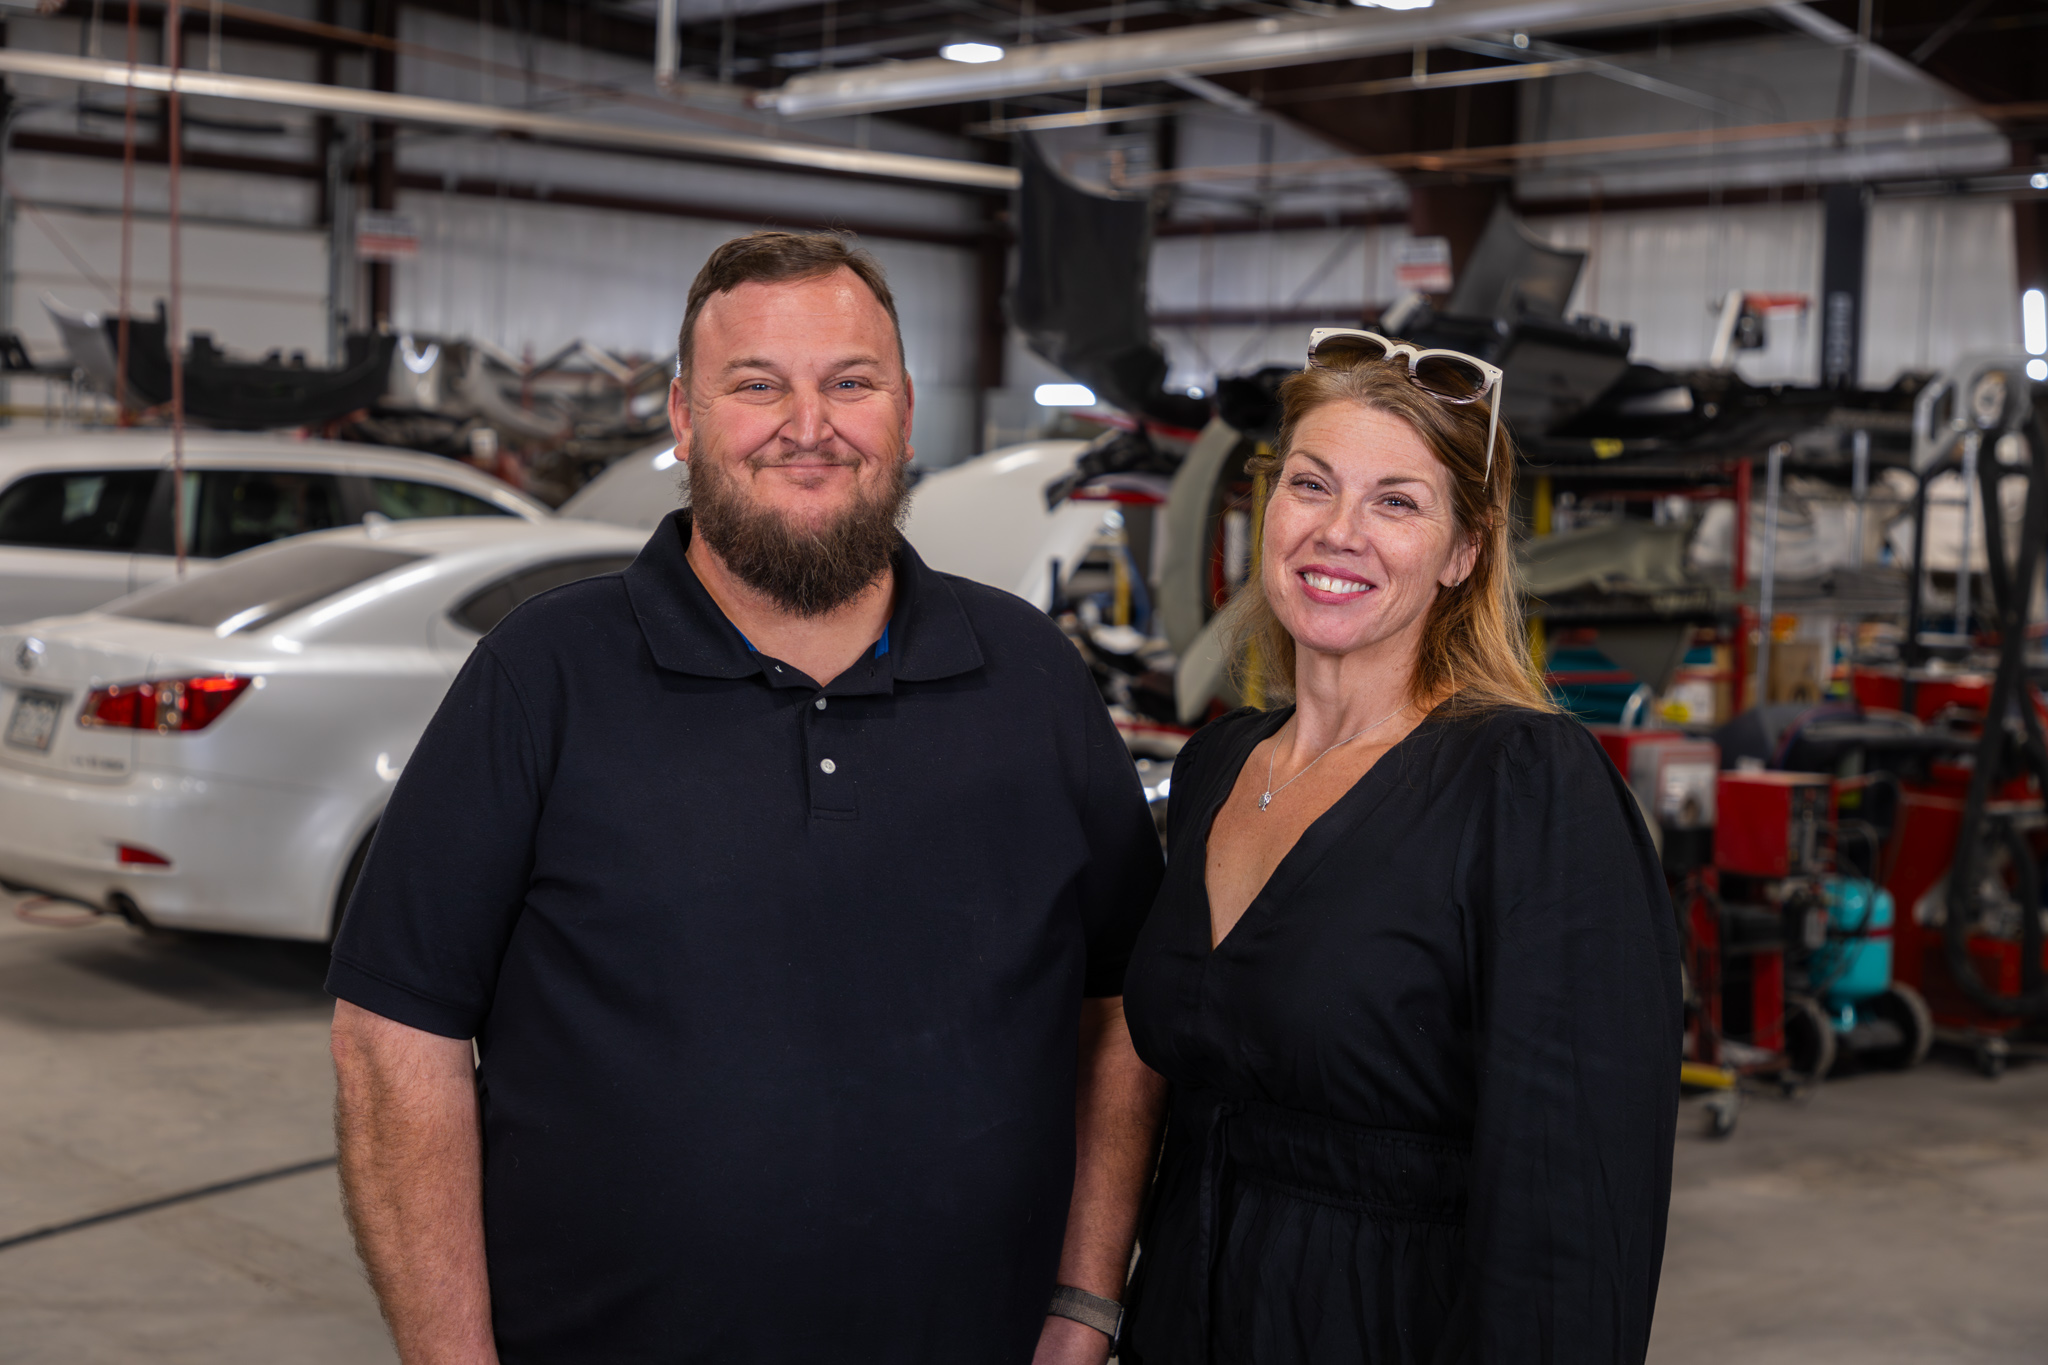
(1413,974)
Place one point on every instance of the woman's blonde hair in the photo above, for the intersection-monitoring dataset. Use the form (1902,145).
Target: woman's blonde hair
(1474,652)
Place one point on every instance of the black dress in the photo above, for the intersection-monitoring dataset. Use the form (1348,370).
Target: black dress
(1424,1092)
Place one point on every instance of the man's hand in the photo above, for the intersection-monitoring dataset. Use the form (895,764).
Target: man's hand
(1066,1342)
(406,1123)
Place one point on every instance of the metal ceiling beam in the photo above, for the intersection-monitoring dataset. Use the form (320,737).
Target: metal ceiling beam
(1205,49)
(415,109)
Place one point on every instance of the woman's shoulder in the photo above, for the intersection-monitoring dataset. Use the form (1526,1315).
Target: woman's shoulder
(1220,745)
(1244,726)
(1528,745)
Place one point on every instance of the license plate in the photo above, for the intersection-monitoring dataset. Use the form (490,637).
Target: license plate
(34,722)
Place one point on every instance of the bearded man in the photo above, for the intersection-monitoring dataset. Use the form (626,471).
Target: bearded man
(736,974)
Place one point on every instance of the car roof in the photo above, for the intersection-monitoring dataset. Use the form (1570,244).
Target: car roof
(150,447)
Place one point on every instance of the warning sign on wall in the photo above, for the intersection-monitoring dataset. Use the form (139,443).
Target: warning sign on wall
(1424,265)
(386,237)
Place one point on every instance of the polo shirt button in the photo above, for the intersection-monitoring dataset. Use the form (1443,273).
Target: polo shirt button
(819,703)
(827,765)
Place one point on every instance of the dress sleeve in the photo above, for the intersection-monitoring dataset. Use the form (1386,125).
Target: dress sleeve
(1573,955)
(426,927)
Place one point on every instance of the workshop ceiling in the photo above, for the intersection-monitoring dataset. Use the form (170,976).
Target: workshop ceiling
(1988,51)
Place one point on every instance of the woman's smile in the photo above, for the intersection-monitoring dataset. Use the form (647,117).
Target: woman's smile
(1331,586)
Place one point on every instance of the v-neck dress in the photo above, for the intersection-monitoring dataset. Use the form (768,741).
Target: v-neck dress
(1424,1091)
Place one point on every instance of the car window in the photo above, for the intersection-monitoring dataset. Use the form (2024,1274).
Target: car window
(231,510)
(404,499)
(495,603)
(98,509)
(245,593)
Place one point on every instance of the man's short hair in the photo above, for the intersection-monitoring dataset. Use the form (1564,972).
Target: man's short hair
(773,258)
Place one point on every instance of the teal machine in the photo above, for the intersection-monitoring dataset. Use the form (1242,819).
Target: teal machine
(1849,973)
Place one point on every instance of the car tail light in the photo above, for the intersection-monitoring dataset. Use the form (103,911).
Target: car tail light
(165,705)
(140,857)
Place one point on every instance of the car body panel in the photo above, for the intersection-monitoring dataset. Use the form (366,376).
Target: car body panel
(261,811)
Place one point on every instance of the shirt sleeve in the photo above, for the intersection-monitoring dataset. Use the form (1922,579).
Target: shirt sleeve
(1125,862)
(426,927)
(1574,958)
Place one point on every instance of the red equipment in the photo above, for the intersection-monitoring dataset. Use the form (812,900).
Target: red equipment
(1771,823)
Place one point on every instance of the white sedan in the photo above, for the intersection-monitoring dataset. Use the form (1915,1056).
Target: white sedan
(86,516)
(215,753)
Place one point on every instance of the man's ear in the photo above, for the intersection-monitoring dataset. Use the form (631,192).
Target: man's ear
(679,416)
(909,410)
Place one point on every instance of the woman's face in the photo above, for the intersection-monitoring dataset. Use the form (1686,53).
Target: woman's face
(1359,532)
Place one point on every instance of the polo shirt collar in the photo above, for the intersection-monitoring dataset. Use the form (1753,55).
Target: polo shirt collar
(929,634)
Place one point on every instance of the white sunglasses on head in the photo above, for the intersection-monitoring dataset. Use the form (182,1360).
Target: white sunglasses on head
(1451,376)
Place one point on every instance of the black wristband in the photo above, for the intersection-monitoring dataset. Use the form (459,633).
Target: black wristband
(1090,1310)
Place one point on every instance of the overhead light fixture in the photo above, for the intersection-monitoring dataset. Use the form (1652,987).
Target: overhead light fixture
(1064,396)
(2037,369)
(2038,180)
(1394,4)
(971,52)
(2034,321)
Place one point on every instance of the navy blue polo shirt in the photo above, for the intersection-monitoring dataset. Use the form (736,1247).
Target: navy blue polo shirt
(776,986)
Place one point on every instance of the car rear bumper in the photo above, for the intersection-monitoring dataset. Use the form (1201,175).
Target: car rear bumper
(239,855)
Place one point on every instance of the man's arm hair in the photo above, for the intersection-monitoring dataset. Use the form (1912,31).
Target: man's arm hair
(1117,1119)
(411,1144)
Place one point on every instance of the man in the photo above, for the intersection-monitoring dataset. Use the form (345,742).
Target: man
(780,882)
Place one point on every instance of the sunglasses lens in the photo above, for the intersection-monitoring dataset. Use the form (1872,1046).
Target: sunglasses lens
(1342,352)
(1458,380)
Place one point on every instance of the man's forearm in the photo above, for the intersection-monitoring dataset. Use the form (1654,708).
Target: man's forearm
(1118,1110)
(410,1140)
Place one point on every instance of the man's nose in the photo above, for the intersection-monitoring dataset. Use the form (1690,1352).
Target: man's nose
(809,425)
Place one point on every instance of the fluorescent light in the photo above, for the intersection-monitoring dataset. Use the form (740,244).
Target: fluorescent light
(971,52)
(1064,396)
(666,460)
(1394,4)
(2037,369)
(2039,180)
(2034,321)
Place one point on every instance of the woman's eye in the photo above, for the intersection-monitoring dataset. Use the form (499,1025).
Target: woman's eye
(1312,485)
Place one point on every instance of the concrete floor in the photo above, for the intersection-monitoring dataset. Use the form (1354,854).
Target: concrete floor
(132,1068)
(1890,1219)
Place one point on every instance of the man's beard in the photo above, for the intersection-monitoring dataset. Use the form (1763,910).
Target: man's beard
(806,573)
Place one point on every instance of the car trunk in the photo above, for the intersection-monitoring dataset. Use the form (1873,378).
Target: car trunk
(44,681)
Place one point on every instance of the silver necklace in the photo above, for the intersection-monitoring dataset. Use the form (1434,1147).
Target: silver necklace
(1266,797)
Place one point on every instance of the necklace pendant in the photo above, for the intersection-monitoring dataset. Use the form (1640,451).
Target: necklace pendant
(1265,800)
